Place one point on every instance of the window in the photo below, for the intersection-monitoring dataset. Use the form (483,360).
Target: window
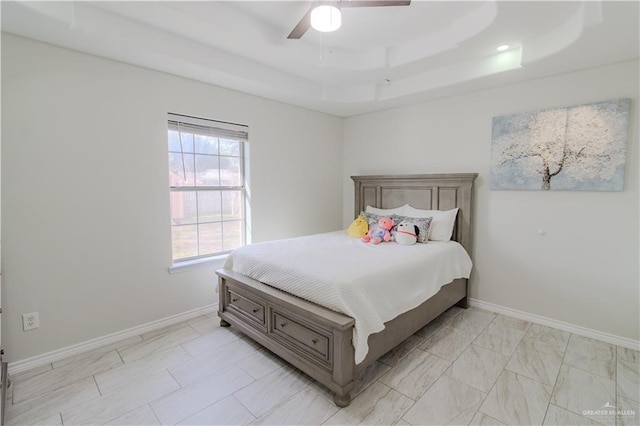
(207,187)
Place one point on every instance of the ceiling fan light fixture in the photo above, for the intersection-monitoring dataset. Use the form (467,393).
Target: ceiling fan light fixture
(326,18)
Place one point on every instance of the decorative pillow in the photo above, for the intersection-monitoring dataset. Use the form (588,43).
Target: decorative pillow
(372,218)
(386,212)
(442,223)
(423,224)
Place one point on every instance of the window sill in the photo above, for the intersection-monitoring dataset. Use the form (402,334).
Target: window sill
(197,263)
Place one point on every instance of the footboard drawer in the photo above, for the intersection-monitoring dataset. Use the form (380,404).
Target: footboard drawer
(306,338)
(249,307)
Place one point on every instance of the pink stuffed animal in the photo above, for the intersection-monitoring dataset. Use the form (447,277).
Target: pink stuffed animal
(380,232)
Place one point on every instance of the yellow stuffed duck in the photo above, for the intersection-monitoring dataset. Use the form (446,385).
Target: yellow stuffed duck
(358,227)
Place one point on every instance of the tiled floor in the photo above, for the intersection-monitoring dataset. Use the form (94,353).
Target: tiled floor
(467,367)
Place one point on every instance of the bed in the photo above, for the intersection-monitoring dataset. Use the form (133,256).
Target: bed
(318,340)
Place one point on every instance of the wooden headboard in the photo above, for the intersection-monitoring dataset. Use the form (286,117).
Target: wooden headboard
(431,192)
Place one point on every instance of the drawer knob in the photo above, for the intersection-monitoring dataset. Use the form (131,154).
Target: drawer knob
(282,324)
(314,341)
(255,310)
(234,299)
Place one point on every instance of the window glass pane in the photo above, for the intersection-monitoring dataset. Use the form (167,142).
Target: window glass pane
(207,170)
(231,205)
(209,220)
(230,171)
(183,207)
(232,235)
(206,145)
(181,169)
(185,241)
(229,147)
(187,142)
(174,141)
(209,206)
(210,238)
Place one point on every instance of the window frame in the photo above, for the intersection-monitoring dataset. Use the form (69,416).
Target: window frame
(219,130)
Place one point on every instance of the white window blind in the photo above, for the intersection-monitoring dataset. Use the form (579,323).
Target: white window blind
(213,128)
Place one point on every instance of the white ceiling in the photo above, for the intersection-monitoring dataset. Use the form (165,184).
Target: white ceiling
(380,58)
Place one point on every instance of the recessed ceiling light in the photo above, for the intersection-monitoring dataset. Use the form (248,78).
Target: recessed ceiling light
(502,48)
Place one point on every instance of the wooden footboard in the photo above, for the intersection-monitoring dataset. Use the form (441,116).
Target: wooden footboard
(315,339)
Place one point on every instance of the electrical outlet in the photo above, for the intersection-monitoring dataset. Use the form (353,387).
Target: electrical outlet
(30,321)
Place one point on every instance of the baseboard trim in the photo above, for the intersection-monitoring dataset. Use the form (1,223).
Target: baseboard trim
(17,367)
(560,325)
(20,366)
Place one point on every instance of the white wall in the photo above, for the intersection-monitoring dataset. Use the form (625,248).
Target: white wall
(85,207)
(85,201)
(584,271)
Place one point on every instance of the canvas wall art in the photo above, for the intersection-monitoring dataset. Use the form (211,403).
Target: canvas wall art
(575,148)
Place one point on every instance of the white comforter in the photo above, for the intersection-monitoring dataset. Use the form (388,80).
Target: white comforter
(372,284)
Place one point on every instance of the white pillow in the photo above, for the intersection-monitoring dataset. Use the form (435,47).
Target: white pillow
(441,225)
(386,212)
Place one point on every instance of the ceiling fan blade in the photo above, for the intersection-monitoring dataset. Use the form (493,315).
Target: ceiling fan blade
(302,27)
(374,3)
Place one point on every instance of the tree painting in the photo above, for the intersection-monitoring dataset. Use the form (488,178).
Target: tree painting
(581,147)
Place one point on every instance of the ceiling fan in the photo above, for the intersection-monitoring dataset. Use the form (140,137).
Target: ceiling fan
(305,23)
